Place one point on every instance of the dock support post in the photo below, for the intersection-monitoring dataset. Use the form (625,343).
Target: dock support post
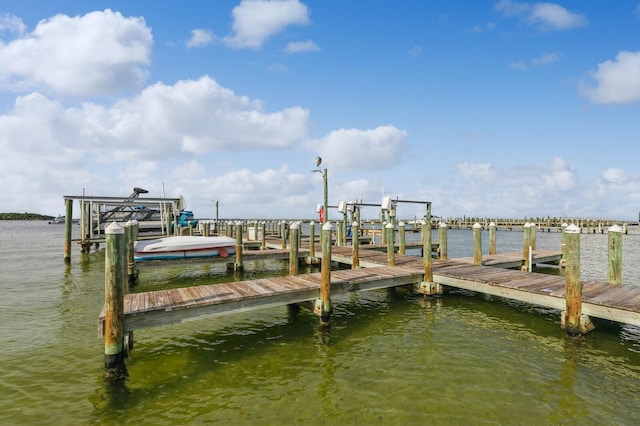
(383,232)
(477,244)
(442,240)
(312,241)
(344,229)
(574,322)
(401,238)
(427,286)
(114,282)
(355,245)
(532,236)
(131,233)
(283,234)
(68,221)
(293,249)
(492,238)
(390,237)
(176,215)
(263,235)
(238,264)
(526,247)
(563,259)
(614,275)
(323,305)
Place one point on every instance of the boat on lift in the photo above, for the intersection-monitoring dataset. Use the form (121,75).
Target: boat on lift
(183,247)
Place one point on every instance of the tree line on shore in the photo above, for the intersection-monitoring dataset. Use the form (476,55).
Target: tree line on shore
(24,216)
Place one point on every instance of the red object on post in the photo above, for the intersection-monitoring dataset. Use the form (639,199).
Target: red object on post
(321,213)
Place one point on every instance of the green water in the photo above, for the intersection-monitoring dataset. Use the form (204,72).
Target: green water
(389,357)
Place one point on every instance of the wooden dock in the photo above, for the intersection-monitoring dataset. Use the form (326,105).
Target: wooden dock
(620,303)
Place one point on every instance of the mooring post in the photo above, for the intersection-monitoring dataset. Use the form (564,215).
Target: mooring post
(312,241)
(572,319)
(283,234)
(131,234)
(532,236)
(615,255)
(390,237)
(442,240)
(68,221)
(401,237)
(563,247)
(492,238)
(238,264)
(383,232)
(263,235)
(176,215)
(344,229)
(355,245)
(114,284)
(293,249)
(526,246)
(427,286)
(477,244)
(323,305)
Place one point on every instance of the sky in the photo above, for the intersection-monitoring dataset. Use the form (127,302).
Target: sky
(498,109)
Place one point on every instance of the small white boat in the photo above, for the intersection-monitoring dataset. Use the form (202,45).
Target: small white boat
(183,247)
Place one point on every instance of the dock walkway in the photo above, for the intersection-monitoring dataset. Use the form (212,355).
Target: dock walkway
(620,303)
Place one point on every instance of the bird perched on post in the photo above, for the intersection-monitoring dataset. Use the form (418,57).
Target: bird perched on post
(318,161)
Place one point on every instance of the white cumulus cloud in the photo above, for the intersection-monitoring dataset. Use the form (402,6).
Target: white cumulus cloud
(545,16)
(200,38)
(355,149)
(616,81)
(255,21)
(95,54)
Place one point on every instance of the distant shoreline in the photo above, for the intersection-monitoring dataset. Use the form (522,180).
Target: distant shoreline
(25,216)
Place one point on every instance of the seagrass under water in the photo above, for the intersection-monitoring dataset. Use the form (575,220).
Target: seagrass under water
(389,358)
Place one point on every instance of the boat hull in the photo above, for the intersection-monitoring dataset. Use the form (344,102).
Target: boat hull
(183,247)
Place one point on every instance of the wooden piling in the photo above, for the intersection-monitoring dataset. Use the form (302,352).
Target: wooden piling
(563,247)
(355,244)
(390,237)
(283,234)
(401,238)
(526,247)
(114,284)
(131,235)
(312,240)
(574,322)
(68,222)
(383,232)
(492,238)
(532,236)
(325,276)
(263,235)
(614,275)
(294,249)
(477,244)
(442,241)
(238,231)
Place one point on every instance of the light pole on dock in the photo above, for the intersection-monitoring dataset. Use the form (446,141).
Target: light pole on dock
(325,189)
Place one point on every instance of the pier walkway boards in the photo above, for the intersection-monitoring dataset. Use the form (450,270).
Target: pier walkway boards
(620,303)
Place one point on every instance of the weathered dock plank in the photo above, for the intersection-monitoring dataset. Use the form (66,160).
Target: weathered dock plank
(216,299)
(619,303)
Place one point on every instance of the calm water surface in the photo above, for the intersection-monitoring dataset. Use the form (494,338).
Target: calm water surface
(389,358)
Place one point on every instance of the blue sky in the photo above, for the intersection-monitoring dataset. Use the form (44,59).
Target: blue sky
(485,108)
